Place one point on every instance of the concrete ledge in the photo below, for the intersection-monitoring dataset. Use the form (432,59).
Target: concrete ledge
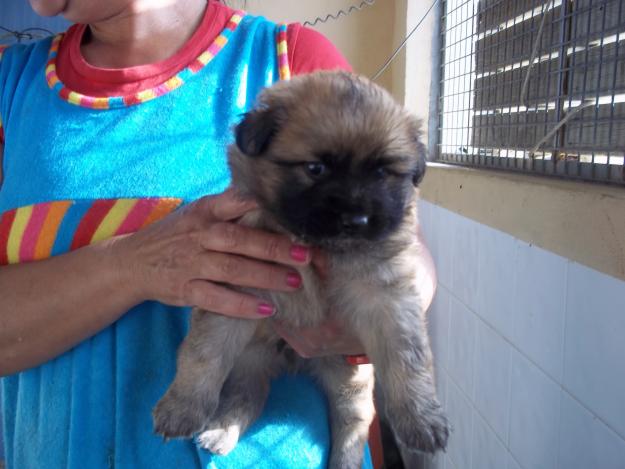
(580,221)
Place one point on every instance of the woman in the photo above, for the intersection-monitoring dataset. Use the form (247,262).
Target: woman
(108,130)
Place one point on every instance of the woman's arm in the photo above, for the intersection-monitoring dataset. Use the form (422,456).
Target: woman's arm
(47,307)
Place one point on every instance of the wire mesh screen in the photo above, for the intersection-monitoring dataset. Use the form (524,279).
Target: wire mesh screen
(535,85)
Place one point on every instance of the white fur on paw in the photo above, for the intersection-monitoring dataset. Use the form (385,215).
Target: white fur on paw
(220,440)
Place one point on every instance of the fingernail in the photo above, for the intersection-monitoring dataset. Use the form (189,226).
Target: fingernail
(294,280)
(265,309)
(300,253)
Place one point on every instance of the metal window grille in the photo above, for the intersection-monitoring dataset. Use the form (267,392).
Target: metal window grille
(535,86)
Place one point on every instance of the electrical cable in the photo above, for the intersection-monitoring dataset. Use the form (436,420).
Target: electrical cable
(403,44)
(336,16)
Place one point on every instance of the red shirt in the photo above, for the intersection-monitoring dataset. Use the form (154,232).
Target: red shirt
(308,51)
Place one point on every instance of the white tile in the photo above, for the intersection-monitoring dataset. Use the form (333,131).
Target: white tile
(443,247)
(430,227)
(416,459)
(539,303)
(460,414)
(438,325)
(465,275)
(462,326)
(497,264)
(442,380)
(585,442)
(488,451)
(512,463)
(436,461)
(491,386)
(425,221)
(595,343)
(534,415)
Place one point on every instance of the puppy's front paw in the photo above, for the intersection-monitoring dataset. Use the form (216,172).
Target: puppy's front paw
(219,440)
(175,417)
(424,429)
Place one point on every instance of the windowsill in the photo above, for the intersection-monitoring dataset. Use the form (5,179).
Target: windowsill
(581,221)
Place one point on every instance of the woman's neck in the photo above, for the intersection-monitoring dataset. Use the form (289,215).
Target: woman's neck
(144,32)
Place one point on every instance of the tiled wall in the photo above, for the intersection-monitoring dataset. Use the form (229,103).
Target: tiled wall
(529,351)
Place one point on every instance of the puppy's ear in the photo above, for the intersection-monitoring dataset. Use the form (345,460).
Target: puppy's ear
(254,133)
(419,171)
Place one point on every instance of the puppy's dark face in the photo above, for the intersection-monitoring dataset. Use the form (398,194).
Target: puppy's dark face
(342,195)
(332,157)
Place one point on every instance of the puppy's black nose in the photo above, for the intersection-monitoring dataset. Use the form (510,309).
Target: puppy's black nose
(354,221)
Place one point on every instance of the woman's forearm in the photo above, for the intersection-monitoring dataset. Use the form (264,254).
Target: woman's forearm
(47,307)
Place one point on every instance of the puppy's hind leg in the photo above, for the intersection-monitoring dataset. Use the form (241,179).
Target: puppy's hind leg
(349,390)
(242,398)
(205,358)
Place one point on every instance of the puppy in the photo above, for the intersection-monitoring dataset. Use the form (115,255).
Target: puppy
(333,161)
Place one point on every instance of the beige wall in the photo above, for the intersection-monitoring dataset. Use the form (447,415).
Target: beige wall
(368,37)
(365,37)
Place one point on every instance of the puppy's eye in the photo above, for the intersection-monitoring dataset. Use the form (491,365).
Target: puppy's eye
(381,172)
(316,169)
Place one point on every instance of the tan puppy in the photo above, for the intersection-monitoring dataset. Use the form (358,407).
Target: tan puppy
(334,161)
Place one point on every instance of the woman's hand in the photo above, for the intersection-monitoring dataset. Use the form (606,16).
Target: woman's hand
(188,258)
(329,338)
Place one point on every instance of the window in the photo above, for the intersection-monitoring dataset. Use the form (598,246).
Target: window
(535,86)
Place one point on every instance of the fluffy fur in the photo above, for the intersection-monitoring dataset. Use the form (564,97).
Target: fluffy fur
(333,161)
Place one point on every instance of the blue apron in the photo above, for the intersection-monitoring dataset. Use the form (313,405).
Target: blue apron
(75,173)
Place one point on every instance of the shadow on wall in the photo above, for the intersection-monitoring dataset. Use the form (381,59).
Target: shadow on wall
(18,16)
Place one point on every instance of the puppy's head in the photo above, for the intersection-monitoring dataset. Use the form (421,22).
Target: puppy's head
(332,156)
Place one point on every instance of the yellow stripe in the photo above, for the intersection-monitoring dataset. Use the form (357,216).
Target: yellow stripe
(113,219)
(285,73)
(236,18)
(145,95)
(74,97)
(173,83)
(101,103)
(221,40)
(282,48)
(205,57)
(50,68)
(22,216)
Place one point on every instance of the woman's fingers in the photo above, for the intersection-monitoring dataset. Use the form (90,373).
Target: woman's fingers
(218,299)
(244,272)
(254,243)
(329,338)
(300,343)
(227,206)
(321,263)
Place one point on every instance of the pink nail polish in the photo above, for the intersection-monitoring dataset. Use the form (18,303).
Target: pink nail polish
(293,280)
(300,253)
(265,309)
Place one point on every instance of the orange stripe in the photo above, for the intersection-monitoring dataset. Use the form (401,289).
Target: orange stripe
(163,208)
(57,211)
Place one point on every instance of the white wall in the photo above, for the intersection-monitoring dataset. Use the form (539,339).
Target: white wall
(529,350)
